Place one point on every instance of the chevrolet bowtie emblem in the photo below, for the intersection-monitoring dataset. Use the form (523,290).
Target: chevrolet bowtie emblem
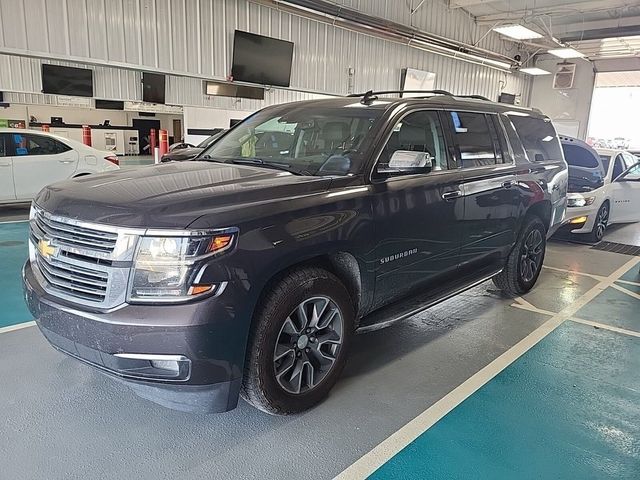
(46,249)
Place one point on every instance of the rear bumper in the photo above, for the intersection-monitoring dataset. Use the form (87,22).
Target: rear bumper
(205,338)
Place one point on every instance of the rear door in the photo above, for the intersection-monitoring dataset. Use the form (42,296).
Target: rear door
(490,193)
(39,160)
(418,216)
(625,194)
(7,190)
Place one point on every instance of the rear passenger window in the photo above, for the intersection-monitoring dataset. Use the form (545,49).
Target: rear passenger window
(515,142)
(26,144)
(3,146)
(474,139)
(538,137)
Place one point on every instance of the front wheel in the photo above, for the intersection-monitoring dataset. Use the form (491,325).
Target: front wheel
(524,263)
(600,224)
(298,346)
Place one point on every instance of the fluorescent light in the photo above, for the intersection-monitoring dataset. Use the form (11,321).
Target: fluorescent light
(517,31)
(565,53)
(534,71)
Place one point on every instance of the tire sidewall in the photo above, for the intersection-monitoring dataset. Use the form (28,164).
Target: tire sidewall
(268,325)
(534,224)
(594,233)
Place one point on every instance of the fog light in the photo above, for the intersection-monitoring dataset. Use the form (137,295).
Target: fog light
(171,365)
(578,220)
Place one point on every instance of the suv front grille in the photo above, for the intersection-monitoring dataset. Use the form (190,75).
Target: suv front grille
(69,235)
(74,280)
(81,262)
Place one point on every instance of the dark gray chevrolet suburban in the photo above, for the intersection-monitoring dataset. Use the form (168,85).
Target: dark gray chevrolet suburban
(248,270)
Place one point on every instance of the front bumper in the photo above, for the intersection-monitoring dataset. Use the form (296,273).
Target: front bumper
(206,336)
(576,213)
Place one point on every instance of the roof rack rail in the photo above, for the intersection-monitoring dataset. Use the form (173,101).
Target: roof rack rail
(370,96)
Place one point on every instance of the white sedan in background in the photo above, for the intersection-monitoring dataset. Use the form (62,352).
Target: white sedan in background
(601,195)
(30,159)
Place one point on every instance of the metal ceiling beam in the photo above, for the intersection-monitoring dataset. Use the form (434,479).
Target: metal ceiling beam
(469,3)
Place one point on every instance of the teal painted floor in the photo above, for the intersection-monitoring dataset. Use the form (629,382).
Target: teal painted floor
(13,253)
(569,408)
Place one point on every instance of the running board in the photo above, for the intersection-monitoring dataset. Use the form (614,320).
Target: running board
(409,306)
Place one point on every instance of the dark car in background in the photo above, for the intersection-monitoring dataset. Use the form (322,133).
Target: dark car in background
(249,270)
(185,151)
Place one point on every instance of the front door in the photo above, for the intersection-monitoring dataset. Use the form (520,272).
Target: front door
(490,189)
(417,215)
(7,191)
(625,195)
(39,160)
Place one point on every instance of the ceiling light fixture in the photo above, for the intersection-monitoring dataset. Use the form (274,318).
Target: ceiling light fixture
(565,53)
(517,31)
(535,71)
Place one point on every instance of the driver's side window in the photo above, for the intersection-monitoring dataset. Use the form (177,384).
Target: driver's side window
(417,135)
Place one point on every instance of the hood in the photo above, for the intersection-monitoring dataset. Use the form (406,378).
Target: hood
(182,154)
(171,195)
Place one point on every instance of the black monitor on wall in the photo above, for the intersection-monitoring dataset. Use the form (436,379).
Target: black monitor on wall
(153,87)
(109,104)
(61,80)
(262,60)
(509,98)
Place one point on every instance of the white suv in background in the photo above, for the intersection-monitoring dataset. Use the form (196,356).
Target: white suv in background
(604,188)
(29,160)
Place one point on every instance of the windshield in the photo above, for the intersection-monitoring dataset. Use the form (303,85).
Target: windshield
(302,139)
(606,160)
(209,140)
(585,168)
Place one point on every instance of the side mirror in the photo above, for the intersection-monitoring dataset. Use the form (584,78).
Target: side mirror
(409,162)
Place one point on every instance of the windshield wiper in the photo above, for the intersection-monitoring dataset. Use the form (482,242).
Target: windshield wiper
(267,164)
(206,158)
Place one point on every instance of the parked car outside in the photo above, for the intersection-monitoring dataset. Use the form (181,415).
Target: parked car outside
(249,270)
(29,160)
(185,151)
(602,188)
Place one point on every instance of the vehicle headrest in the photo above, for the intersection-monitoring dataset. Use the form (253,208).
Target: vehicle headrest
(336,131)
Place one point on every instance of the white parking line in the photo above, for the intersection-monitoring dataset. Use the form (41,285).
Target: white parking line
(628,292)
(14,221)
(605,326)
(384,451)
(592,275)
(19,326)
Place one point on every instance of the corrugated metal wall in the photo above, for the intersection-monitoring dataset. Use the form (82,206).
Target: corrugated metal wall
(192,39)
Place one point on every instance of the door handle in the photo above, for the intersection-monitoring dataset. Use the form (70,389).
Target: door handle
(508,184)
(65,161)
(448,196)
(7,164)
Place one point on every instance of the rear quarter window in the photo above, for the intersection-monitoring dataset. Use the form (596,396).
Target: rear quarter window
(538,137)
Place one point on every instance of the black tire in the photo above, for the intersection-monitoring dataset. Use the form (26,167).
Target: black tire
(600,225)
(518,275)
(260,387)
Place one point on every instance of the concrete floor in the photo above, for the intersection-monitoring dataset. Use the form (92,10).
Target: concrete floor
(62,419)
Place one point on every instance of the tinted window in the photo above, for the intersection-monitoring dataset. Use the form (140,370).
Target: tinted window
(417,132)
(3,146)
(606,159)
(585,170)
(514,140)
(26,144)
(474,139)
(538,137)
(618,167)
(502,151)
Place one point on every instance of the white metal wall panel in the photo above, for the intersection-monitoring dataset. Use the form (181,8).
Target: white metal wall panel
(193,38)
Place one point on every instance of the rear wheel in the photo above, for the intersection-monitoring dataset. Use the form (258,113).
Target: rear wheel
(298,347)
(600,225)
(524,263)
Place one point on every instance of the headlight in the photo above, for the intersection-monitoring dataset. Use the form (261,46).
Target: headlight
(165,267)
(580,201)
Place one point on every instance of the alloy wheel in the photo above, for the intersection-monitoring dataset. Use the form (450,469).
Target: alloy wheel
(531,255)
(308,344)
(601,222)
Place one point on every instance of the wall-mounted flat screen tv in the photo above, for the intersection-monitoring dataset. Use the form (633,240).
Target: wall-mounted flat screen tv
(153,87)
(109,104)
(59,80)
(261,60)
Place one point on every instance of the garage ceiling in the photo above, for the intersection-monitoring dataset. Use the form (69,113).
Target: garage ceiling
(581,24)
